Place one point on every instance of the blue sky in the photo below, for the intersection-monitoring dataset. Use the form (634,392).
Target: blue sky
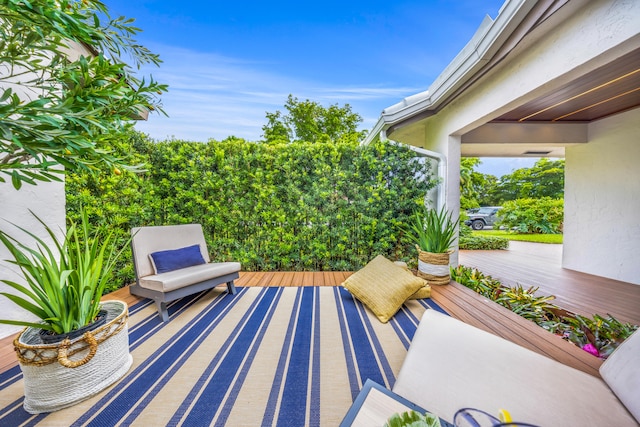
(228,63)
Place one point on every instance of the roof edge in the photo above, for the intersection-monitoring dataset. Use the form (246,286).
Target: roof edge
(487,40)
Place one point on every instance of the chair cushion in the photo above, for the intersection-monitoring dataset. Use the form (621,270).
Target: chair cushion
(621,372)
(146,240)
(175,259)
(176,279)
(383,287)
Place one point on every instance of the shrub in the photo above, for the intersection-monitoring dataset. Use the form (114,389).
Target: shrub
(544,215)
(468,240)
(297,206)
(597,335)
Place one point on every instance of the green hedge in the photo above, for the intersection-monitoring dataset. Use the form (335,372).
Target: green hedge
(483,243)
(299,206)
(468,240)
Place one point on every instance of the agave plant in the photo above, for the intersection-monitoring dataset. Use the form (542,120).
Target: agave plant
(64,283)
(433,231)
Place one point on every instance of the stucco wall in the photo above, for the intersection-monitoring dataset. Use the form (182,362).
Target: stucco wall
(602,183)
(47,200)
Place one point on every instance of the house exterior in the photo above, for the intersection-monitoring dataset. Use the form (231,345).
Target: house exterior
(546,78)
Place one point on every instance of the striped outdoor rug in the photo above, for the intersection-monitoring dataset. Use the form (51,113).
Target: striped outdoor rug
(266,356)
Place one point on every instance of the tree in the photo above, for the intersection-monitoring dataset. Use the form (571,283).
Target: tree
(311,122)
(468,195)
(56,109)
(474,186)
(544,179)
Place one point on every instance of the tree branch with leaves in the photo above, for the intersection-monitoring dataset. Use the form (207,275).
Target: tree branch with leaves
(308,121)
(68,86)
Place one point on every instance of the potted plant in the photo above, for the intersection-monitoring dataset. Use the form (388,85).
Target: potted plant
(64,284)
(433,233)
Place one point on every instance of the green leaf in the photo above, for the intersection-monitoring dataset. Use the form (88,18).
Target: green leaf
(413,419)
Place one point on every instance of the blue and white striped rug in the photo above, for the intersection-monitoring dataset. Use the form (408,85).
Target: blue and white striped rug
(266,356)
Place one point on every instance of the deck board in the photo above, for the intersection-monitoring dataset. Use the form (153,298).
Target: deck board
(532,264)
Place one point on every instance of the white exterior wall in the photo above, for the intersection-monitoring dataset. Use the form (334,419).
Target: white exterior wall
(580,37)
(602,202)
(47,200)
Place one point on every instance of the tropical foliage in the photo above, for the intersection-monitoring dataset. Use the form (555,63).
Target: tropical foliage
(59,109)
(544,179)
(413,419)
(543,215)
(293,206)
(64,285)
(597,335)
(475,187)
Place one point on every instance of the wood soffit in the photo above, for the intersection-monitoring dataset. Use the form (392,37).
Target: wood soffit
(606,91)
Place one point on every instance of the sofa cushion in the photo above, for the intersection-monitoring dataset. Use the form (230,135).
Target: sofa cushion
(383,287)
(422,293)
(175,259)
(146,240)
(621,372)
(451,365)
(176,279)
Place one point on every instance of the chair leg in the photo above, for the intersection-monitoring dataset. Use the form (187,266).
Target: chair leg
(162,310)
(231,287)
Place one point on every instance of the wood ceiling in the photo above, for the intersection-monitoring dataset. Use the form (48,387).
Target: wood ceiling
(608,90)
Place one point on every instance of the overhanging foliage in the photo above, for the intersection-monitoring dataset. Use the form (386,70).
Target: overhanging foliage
(68,84)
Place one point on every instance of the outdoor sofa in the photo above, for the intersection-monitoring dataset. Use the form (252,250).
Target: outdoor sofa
(172,261)
(451,365)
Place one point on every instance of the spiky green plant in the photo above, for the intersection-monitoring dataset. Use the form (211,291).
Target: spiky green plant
(413,419)
(433,231)
(65,281)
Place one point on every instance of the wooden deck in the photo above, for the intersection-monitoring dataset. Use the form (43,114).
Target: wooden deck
(534,264)
(459,301)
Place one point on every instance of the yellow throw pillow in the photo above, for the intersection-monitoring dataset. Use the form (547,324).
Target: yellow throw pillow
(383,287)
(423,292)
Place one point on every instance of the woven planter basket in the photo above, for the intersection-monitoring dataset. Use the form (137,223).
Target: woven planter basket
(434,267)
(62,374)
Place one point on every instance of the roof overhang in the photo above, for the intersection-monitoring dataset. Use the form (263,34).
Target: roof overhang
(609,89)
(490,43)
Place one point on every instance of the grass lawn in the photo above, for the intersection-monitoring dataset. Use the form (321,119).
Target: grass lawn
(537,238)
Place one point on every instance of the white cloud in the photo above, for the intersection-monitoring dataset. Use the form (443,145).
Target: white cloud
(212,96)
